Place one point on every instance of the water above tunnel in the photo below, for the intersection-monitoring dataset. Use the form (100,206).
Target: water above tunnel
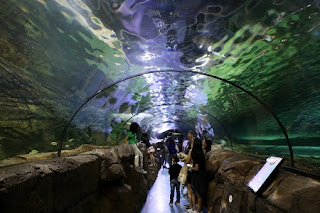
(56,54)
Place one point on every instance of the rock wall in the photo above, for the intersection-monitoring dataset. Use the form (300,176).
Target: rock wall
(229,173)
(102,180)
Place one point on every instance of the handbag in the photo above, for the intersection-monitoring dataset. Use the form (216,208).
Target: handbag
(182,178)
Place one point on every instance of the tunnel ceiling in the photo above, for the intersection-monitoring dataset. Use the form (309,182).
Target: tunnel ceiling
(56,54)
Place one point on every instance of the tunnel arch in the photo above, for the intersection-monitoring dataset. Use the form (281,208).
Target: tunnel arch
(225,129)
(266,107)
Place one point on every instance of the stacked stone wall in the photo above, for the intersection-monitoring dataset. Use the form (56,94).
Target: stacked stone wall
(102,180)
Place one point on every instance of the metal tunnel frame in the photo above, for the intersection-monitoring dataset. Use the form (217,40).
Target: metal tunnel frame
(225,129)
(178,71)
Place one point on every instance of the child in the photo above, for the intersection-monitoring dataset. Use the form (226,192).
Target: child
(131,138)
(174,171)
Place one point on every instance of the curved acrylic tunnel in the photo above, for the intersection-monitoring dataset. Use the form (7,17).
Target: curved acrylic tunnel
(199,111)
(168,93)
(56,54)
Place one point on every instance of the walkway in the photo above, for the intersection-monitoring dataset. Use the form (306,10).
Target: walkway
(159,196)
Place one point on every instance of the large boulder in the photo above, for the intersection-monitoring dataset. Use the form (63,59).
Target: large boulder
(215,159)
(111,169)
(228,192)
(287,187)
(306,200)
(48,186)
(236,169)
(215,192)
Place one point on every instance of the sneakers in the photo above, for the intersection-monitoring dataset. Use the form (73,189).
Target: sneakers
(187,207)
(171,204)
(139,169)
(177,203)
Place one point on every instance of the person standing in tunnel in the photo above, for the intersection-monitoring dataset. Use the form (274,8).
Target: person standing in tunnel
(150,148)
(132,141)
(165,152)
(189,174)
(172,148)
(174,171)
(190,140)
(198,180)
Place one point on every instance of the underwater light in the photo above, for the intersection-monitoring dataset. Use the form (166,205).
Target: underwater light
(197,77)
(218,54)
(204,59)
(164,127)
(176,133)
(148,56)
(152,67)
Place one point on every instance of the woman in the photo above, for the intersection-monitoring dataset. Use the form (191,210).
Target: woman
(198,180)
(206,145)
(132,141)
(191,196)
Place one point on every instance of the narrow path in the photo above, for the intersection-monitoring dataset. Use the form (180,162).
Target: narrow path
(159,196)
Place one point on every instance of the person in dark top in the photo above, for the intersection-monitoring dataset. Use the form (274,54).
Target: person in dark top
(174,171)
(172,149)
(163,155)
(198,180)
(189,175)
(150,148)
(206,145)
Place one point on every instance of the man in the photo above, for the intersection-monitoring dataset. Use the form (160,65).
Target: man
(190,140)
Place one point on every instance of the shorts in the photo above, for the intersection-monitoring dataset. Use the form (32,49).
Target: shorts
(150,150)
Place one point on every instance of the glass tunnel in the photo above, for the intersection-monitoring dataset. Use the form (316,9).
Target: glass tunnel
(243,73)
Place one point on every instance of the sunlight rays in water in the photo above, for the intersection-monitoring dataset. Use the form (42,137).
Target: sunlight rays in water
(84,15)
